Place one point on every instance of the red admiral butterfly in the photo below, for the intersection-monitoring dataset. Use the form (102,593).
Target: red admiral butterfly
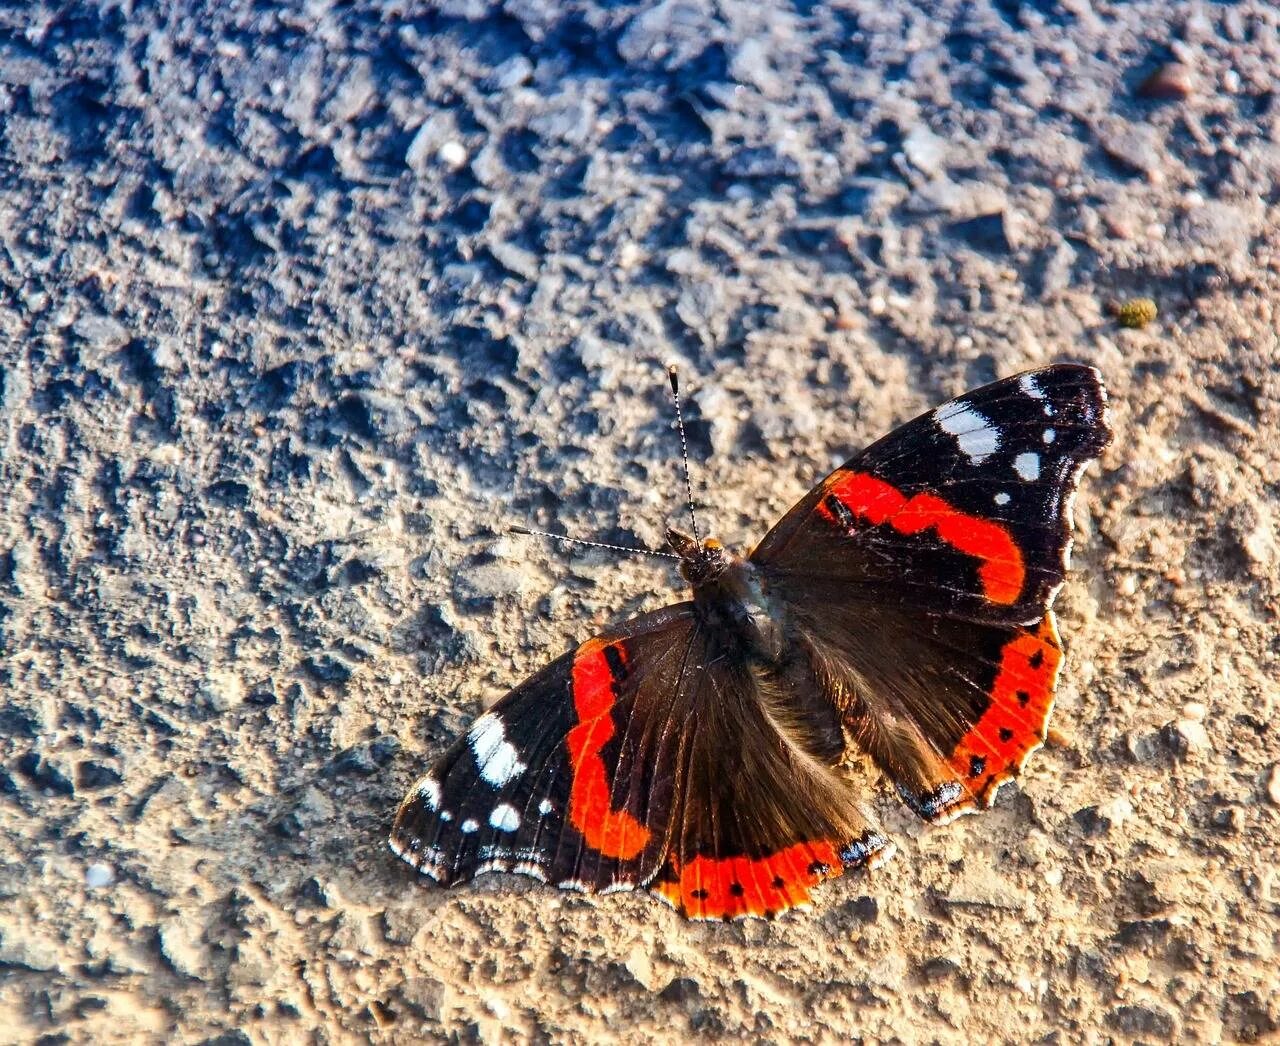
(901,610)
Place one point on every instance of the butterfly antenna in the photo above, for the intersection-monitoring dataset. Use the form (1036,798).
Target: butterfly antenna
(635,551)
(684,451)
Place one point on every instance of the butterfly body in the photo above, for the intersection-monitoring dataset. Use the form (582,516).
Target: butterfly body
(729,595)
(900,611)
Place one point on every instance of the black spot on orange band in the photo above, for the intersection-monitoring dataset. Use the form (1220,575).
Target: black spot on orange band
(1014,721)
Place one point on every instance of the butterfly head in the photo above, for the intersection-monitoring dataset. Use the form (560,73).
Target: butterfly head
(700,562)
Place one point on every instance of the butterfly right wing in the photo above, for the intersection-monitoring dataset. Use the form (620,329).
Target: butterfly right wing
(921,574)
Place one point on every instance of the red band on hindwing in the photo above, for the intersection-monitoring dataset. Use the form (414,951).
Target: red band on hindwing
(614,833)
(1014,722)
(1002,571)
(710,888)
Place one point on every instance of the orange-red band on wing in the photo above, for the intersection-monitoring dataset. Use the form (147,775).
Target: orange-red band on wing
(614,833)
(1002,571)
(1014,722)
(723,888)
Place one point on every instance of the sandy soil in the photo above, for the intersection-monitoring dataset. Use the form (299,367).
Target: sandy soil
(301,307)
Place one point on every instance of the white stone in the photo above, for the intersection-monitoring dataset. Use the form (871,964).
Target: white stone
(1192,735)
(98,875)
(452,154)
(1273,785)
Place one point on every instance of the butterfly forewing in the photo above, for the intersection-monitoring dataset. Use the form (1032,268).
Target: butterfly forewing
(563,779)
(962,510)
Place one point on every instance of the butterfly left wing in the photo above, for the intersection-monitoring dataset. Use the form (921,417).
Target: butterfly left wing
(565,778)
(921,574)
(656,754)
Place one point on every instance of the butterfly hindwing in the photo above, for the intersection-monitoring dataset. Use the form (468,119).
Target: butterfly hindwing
(948,709)
(761,816)
(922,572)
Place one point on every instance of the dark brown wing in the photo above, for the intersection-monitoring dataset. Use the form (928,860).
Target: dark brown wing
(921,574)
(760,817)
(569,777)
(963,511)
(655,754)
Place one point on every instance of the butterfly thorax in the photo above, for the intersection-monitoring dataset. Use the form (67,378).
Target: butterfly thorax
(729,595)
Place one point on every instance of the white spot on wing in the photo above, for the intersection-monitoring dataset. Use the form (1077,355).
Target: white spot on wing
(1027,466)
(445,815)
(977,437)
(544,807)
(468,826)
(1002,498)
(429,792)
(1028,385)
(504,818)
(1050,435)
(496,757)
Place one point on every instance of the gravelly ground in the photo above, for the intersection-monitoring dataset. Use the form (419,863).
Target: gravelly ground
(303,305)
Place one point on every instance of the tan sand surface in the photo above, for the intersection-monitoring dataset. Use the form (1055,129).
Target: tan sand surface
(302,305)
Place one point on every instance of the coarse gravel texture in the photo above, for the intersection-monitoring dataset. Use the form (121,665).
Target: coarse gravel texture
(302,305)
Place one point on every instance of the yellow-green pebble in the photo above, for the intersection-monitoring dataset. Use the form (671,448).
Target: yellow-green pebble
(1136,312)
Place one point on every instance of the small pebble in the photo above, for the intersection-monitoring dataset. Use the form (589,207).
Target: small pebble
(1273,785)
(1173,81)
(1227,819)
(98,875)
(452,154)
(1187,738)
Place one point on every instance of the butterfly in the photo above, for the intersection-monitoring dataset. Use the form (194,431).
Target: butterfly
(901,611)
